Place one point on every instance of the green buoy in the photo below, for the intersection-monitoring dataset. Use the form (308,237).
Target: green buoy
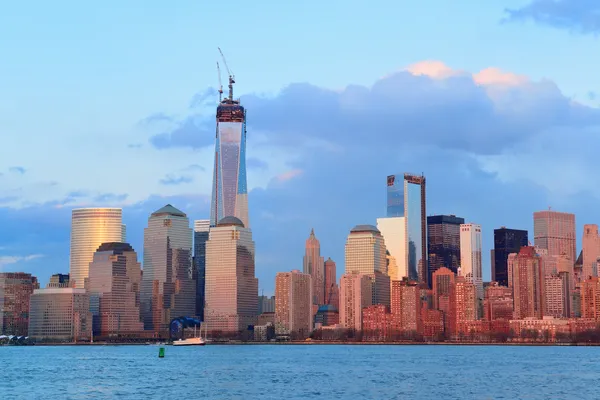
(161,352)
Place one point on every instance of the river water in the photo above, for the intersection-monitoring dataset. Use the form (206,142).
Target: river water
(300,372)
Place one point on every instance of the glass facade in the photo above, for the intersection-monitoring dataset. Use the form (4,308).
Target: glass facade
(168,289)
(201,229)
(395,196)
(443,242)
(230,192)
(506,241)
(90,227)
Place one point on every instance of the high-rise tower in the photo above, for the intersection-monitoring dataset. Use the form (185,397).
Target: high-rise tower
(230,191)
(314,265)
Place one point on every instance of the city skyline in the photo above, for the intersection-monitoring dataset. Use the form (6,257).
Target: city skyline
(305,137)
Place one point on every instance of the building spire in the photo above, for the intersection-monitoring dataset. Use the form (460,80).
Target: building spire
(312,233)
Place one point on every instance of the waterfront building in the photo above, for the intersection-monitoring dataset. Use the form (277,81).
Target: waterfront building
(230,188)
(201,229)
(470,256)
(590,250)
(356,293)
(327,315)
(90,227)
(506,241)
(443,243)
(554,297)
(498,302)
(59,281)
(293,303)
(590,298)
(377,323)
(405,307)
(60,315)
(555,232)
(15,291)
(266,317)
(332,290)
(442,282)
(432,323)
(168,289)
(527,281)
(314,265)
(464,307)
(406,198)
(114,288)
(365,254)
(231,285)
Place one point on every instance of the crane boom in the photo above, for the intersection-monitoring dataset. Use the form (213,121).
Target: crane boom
(220,84)
(231,76)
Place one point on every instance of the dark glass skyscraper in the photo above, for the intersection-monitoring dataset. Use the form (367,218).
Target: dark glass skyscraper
(506,241)
(201,231)
(406,198)
(443,242)
(230,192)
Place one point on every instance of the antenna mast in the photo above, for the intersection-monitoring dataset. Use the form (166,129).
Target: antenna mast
(220,84)
(231,76)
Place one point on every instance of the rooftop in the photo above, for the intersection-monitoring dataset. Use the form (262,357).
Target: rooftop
(230,221)
(364,228)
(168,210)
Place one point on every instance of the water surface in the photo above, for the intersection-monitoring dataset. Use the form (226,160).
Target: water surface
(300,372)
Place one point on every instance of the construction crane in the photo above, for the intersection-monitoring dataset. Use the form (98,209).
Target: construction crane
(220,84)
(231,76)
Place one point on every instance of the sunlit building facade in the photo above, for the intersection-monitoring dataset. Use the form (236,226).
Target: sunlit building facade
(590,250)
(60,315)
(90,227)
(15,291)
(406,197)
(231,285)
(356,293)
(168,289)
(314,265)
(555,232)
(527,281)
(201,229)
(114,290)
(470,256)
(230,191)
(393,230)
(332,290)
(293,303)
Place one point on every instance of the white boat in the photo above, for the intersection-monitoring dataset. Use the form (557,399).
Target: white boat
(193,341)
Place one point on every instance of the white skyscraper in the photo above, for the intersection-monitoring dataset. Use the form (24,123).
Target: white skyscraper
(393,230)
(90,227)
(470,255)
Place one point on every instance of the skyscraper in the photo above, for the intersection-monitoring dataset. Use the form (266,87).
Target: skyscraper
(90,227)
(527,280)
(293,303)
(15,290)
(470,256)
(114,288)
(408,200)
(355,294)
(314,265)
(590,250)
(332,291)
(201,229)
(555,232)
(231,286)
(506,241)
(393,230)
(168,289)
(229,191)
(443,243)
(365,254)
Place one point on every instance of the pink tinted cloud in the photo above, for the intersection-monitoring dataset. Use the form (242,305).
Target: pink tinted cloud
(288,175)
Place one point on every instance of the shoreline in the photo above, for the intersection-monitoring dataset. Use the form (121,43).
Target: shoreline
(322,343)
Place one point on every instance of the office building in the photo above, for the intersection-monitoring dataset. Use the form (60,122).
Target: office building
(365,254)
(90,227)
(555,302)
(314,266)
(15,291)
(168,289)
(266,304)
(443,243)
(393,230)
(406,198)
(470,256)
(405,307)
(293,304)
(590,250)
(231,286)
(230,189)
(506,241)
(113,285)
(201,229)
(60,315)
(59,281)
(555,232)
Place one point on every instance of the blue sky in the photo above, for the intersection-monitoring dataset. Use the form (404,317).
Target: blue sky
(113,104)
